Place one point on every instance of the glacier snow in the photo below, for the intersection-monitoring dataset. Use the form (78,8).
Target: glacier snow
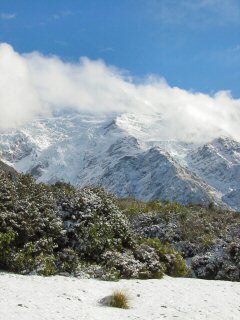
(128,154)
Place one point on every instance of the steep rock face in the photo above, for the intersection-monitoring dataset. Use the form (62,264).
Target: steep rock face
(218,163)
(154,174)
(9,170)
(15,146)
(233,199)
(127,155)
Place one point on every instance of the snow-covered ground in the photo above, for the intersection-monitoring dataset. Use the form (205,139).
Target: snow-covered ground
(35,298)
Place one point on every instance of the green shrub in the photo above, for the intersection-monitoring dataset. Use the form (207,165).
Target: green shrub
(174,263)
(96,222)
(46,265)
(23,259)
(6,246)
(207,240)
(27,260)
(67,260)
(52,229)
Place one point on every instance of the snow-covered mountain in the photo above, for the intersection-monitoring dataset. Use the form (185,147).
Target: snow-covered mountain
(128,154)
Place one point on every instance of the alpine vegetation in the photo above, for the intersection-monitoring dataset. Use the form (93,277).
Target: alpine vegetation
(89,233)
(61,229)
(119,299)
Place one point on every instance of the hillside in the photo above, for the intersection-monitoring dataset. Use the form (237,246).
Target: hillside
(60,229)
(8,169)
(129,155)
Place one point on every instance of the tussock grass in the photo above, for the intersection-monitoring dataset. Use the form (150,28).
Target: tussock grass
(120,299)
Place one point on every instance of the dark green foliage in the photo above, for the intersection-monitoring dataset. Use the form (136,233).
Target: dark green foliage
(92,220)
(50,229)
(28,211)
(62,229)
(204,235)
(67,260)
(174,263)
(6,246)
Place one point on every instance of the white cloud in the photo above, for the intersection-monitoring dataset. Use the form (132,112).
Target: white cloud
(33,85)
(7,16)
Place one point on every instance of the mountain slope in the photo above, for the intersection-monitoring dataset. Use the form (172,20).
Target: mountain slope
(128,154)
(218,163)
(8,169)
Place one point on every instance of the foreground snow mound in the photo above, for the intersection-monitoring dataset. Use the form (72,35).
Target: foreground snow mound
(127,154)
(55,298)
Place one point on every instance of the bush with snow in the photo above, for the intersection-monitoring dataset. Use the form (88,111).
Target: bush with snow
(92,221)
(209,239)
(62,229)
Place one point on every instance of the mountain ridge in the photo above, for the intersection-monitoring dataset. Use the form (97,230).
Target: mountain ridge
(127,155)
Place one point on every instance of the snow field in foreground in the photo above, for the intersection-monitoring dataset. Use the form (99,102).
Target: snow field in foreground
(57,297)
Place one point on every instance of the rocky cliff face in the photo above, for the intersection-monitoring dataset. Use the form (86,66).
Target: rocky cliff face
(127,155)
(8,169)
(218,163)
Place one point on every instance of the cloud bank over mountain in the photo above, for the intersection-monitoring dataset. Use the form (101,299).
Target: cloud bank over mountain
(33,85)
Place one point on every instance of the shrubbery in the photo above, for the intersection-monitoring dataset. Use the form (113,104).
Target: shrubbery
(62,229)
(173,261)
(205,236)
(87,232)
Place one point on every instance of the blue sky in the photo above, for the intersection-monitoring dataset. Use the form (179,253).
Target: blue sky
(193,44)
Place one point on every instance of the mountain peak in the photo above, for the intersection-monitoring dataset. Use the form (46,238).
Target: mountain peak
(128,154)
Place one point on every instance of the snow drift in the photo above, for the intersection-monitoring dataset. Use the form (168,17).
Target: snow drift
(39,298)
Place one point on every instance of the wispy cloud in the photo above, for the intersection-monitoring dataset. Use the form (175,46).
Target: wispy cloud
(62,14)
(7,16)
(54,17)
(195,13)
